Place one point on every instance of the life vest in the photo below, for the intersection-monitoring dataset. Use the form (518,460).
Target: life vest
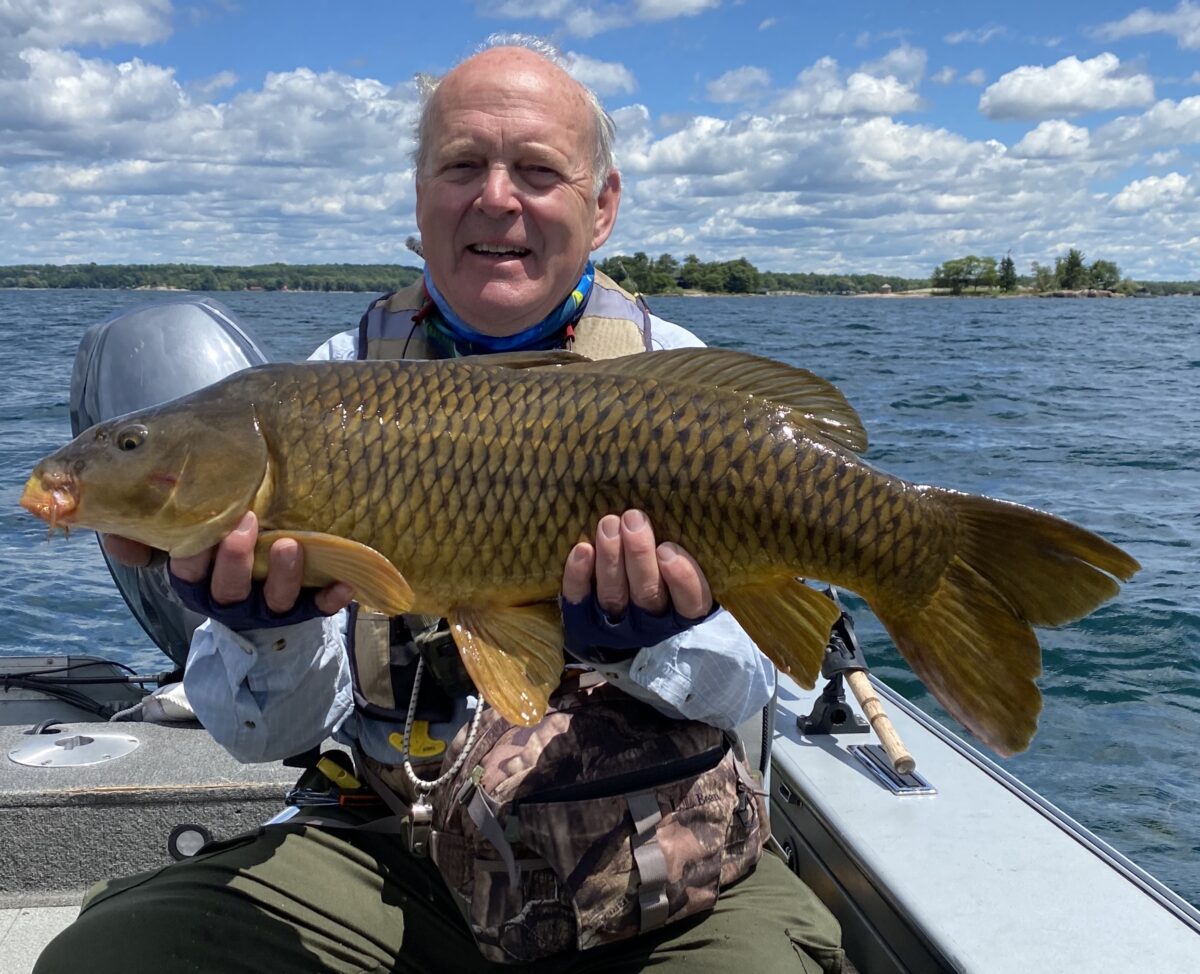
(384,652)
(614,323)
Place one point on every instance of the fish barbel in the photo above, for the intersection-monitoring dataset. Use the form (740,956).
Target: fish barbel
(457,488)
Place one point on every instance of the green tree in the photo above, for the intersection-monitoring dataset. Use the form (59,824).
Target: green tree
(741,277)
(1104,274)
(1070,271)
(1007,275)
(1043,278)
(962,272)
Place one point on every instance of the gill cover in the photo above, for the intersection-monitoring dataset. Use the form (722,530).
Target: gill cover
(140,357)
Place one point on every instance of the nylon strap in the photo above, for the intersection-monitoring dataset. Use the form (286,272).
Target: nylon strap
(648,855)
(485,820)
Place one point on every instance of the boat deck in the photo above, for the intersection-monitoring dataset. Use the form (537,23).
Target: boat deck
(983,877)
(67,828)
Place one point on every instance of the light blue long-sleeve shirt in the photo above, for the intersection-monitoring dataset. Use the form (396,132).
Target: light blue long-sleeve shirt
(270,693)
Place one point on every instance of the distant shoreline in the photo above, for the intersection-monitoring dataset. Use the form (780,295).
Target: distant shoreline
(921,294)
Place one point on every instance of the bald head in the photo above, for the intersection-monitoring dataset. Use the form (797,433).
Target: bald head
(521,66)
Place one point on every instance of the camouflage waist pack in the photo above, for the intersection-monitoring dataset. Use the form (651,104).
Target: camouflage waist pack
(604,821)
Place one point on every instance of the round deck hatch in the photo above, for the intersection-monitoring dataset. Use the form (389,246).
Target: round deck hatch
(73,751)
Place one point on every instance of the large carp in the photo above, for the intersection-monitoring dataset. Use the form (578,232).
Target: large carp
(457,489)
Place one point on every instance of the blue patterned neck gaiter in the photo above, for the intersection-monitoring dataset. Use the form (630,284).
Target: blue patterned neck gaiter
(451,337)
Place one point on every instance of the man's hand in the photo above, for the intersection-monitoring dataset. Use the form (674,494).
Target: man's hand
(232,562)
(629,567)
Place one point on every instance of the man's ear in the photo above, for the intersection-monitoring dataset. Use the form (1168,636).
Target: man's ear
(607,204)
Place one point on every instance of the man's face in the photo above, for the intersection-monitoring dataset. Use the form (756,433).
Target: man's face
(505,202)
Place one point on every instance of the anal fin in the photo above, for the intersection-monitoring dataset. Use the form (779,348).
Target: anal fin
(788,621)
(514,654)
(377,583)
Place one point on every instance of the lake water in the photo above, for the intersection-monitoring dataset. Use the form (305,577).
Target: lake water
(1086,408)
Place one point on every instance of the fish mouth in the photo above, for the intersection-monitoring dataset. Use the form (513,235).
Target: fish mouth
(53,497)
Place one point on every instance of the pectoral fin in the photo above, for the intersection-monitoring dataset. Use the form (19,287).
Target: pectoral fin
(787,620)
(514,654)
(377,583)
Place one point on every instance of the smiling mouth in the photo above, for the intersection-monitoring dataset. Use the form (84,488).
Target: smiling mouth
(498,250)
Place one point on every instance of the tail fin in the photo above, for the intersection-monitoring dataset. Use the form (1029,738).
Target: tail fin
(970,641)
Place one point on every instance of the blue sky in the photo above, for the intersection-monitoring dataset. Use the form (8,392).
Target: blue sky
(804,136)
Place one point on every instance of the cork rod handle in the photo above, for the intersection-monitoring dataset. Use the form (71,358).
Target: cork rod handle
(868,699)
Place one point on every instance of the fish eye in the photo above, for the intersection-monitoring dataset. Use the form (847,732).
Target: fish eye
(131,437)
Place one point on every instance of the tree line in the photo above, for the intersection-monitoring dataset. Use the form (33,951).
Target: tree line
(637,272)
(1071,272)
(667,275)
(203,277)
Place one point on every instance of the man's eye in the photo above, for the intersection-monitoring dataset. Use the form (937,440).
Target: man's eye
(540,175)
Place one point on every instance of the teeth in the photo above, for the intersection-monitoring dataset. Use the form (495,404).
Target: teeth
(498,249)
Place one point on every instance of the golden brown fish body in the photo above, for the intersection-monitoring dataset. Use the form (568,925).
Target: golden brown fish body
(474,480)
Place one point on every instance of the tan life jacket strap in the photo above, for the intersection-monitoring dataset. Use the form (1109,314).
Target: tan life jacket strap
(615,323)
(371,648)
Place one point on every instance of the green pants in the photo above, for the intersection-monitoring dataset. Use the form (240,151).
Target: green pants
(299,899)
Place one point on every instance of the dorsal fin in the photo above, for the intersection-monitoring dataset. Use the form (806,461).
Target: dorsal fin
(814,401)
(537,359)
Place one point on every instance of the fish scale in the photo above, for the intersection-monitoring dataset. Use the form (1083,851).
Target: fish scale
(473,479)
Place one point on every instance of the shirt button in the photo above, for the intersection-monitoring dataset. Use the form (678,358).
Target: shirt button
(279,644)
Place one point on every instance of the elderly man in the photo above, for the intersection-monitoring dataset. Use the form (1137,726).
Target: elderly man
(515,189)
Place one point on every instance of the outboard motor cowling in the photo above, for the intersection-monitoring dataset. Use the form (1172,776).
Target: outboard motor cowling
(140,357)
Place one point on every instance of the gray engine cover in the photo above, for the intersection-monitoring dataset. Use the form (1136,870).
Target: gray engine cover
(138,358)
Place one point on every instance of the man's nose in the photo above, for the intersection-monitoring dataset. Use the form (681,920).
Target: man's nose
(499,194)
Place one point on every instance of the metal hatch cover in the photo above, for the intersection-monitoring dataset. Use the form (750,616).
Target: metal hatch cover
(75,751)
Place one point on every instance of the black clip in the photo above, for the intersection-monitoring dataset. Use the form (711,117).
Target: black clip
(830,714)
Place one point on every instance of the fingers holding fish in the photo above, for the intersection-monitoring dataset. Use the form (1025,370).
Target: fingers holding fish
(644,581)
(612,582)
(627,565)
(690,594)
(232,564)
(577,575)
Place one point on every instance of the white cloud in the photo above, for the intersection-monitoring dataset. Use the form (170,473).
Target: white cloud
(587,20)
(35,200)
(980,35)
(1053,139)
(61,23)
(58,88)
(738,85)
(1155,192)
(820,91)
(943,76)
(603,77)
(977,78)
(905,63)
(670,9)
(1069,87)
(768,23)
(208,87)
(1183,23)
(1166,123)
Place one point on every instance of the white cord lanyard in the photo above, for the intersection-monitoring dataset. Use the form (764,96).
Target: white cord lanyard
(422,785)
